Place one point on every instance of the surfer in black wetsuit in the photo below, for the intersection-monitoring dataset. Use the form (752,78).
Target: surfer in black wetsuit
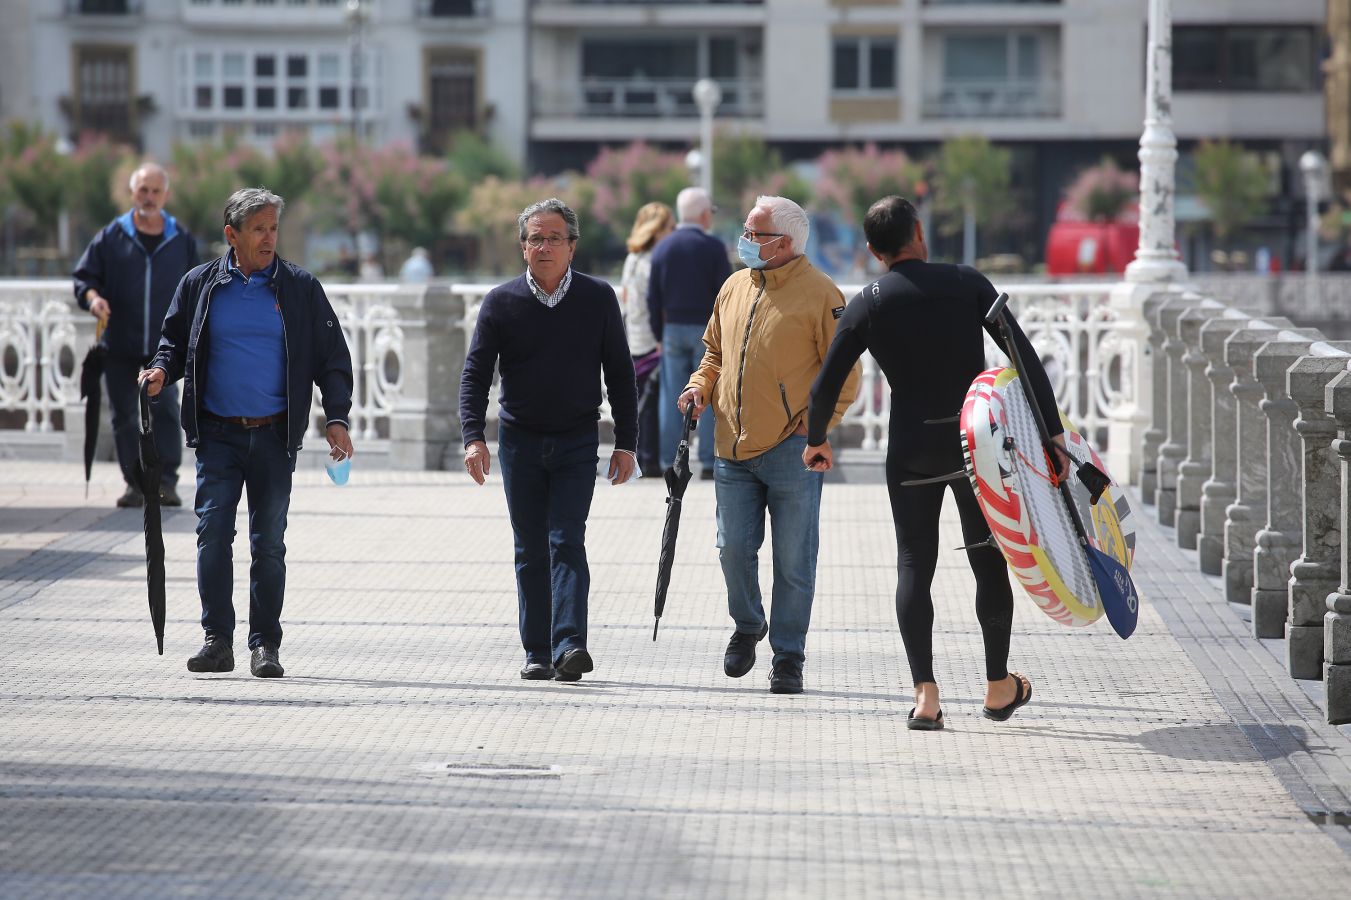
(923,322)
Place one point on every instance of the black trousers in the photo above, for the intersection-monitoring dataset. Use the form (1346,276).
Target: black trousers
(915,510)
(119,377)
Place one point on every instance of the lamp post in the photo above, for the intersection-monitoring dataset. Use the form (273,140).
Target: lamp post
(707,96)
(1314,167)
(1156,257)
(356,21)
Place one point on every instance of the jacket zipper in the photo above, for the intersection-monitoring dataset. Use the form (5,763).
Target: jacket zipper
(286,349)
(149,267)
(196,379)
(741,372)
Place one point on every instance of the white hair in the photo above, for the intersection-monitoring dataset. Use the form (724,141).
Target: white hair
(148,169)
(691,203)
(788,218)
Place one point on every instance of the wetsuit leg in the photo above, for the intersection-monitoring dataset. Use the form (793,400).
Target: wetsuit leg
(994,596)
(915,512)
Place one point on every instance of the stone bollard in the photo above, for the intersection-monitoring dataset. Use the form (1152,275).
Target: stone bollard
(1314,575)
(1157,431)
(433,346)
(1174,447)
(1193,471)
(1278,541)
(1247,513)
(1337,620)
(1220,488)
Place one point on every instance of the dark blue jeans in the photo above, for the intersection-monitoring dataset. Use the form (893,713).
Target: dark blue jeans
(549,480)
(230,459)
(119,375)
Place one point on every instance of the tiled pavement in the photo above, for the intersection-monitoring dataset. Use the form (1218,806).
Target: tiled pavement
(402,756)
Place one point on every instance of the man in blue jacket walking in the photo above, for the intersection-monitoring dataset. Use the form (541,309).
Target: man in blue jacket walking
(251,335)
(126,279)
(688,269)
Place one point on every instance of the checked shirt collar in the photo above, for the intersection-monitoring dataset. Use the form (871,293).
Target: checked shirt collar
(549,300)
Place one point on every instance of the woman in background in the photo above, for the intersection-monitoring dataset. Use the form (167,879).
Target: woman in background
(653,222)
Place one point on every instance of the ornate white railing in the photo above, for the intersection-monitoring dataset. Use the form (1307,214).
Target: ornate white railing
(43,337)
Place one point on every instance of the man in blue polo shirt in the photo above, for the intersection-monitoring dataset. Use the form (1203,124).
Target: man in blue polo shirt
(250,335)
(551,332)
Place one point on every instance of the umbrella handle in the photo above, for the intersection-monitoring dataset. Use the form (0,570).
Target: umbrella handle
(688,423)
(146,427)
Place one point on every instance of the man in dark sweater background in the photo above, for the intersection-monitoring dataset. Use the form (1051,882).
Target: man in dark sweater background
(552,332)
(688,269)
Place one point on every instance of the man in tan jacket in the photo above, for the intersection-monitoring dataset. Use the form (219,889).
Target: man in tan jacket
(771,327)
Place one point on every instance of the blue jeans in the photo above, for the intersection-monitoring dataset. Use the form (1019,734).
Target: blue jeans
(682,349)
(549,480)
(230,459)
(778,482)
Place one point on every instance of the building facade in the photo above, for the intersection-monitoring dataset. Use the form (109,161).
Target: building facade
(152,72)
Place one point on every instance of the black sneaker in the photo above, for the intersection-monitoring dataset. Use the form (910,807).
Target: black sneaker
(740,656)
(537,671)
(574,662)
(216,655)
(131,498)
(168,496)
(265,664)
(786,677)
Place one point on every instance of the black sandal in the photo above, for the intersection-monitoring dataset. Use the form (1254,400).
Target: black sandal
(1004,713)
(920,723)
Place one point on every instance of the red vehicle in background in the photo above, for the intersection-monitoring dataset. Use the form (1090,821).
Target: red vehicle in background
(1077,246)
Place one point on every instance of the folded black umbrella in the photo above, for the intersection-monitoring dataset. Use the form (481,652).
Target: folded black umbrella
(147,469)
(677,478)
(91,392)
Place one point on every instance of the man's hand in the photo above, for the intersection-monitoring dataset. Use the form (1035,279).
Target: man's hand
(1062,457)
(339,441)
(691,395)
(478,461)
(622,467)
(819,458)
(98,306)
(155,378)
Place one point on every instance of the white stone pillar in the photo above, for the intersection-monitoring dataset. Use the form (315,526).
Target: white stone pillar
(1195,468)
(1220,488)
(1337,620)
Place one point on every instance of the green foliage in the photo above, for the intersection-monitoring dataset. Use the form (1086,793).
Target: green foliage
(96,192)
(624,180)
(493,204)
(970,169)
(38,180)
(1231,182)
(203,176)
(473,158)
(855,178)
(1103,193)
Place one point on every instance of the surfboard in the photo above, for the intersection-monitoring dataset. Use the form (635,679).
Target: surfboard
(1011,475)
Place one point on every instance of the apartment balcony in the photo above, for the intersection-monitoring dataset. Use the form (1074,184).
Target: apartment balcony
(272,15)
(661,108)
(452,12)
(994,99)
(648,13)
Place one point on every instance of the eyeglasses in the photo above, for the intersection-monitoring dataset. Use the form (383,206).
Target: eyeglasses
(538,240)
(755,235)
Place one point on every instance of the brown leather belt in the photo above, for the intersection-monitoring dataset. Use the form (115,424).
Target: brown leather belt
(246,421)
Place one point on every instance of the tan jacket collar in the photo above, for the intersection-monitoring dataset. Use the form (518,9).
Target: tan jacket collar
(773,279)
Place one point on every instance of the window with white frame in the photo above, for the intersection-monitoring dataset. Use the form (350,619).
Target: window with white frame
(864,65)
(277,83)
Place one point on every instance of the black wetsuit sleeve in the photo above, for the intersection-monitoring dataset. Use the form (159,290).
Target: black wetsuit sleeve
(851,339)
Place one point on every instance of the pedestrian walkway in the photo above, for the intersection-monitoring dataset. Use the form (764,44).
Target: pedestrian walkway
(402,756)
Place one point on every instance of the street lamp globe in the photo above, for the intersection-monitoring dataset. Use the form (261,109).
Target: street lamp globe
(707,95)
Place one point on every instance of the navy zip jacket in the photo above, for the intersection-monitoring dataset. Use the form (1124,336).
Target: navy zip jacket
(137,285)
(688,269)
(316,351)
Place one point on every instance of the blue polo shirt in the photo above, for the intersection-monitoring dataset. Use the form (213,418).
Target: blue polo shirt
(246,346)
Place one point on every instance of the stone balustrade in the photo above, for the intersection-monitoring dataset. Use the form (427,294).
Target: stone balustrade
(1257,413)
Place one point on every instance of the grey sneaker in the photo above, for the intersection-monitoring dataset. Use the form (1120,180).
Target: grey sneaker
(131,498)
(168,496)
(216,655)
(265,664)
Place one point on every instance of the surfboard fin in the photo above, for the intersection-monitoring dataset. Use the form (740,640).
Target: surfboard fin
(980,545)
(951,476)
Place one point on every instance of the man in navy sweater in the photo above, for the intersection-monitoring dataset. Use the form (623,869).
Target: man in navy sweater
(552,332)
(688,269)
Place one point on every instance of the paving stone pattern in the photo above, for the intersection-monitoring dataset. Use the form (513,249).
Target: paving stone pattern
(402,756)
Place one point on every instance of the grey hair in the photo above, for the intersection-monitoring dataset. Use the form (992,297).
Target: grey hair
(691,203)
(544,208)
(788,218)
(247,201)
(147,169)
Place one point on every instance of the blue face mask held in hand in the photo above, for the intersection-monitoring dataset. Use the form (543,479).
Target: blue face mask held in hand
(339,470)
(748,251)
